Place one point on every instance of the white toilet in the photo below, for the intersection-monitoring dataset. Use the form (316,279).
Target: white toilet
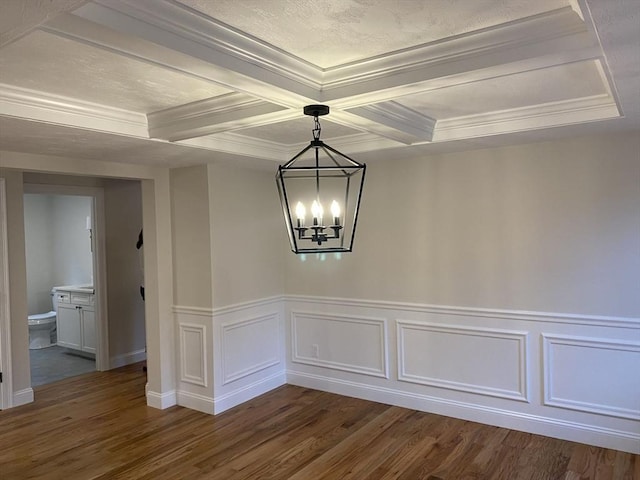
(41,327)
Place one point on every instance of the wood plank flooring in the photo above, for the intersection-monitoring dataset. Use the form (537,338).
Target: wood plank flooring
(97,426)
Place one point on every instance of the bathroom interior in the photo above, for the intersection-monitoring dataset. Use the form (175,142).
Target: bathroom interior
(60,288)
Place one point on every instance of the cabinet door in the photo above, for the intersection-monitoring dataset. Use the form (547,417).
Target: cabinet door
(88,330)
(68,327)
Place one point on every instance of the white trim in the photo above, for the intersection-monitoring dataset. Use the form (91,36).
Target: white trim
(530,316)
(573,431)
(548,341)
(182,29)
(22,397)
(397,116)
(563,112)
(6,387)
(127,358)
(238,307)
(161,400)
(382,371)
(195,401)
(229,377)
(56,109)
(248,392)
(521,394)
(187,310)
(238,144)
(201,331)
(215,115)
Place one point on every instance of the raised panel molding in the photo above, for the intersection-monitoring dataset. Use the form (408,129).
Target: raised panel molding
(249,338)
(378,366)
(632,323)
(614,377)
(193,354)
(519,374)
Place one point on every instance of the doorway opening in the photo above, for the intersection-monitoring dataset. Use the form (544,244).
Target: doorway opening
(62,299)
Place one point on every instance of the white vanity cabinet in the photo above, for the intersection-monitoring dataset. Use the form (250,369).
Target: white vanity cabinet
(76,319)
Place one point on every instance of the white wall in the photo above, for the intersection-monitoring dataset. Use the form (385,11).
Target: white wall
(191,236)
(123,219)
(38,225)
(247,235)
(72,259)
(545,227)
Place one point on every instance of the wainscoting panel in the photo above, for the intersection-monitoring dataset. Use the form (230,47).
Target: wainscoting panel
(476,360)
(592,375)
(194,369)
(249,346)
(568,376)
(193,354)
(349,343)
(248,356)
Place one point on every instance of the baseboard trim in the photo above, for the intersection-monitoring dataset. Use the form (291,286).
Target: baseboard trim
(22,397)
(161,400)
(127,358)
(575,432)
(195,401)
(241,395)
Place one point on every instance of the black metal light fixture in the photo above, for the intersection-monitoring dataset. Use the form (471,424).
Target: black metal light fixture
(317,176)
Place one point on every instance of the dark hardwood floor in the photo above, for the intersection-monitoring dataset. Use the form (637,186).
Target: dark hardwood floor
(97,426)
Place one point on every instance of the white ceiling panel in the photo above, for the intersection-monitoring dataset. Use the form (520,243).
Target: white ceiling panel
(46,139)
(297,131)
(121,79)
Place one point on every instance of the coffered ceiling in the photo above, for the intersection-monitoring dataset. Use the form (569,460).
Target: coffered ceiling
(185,82)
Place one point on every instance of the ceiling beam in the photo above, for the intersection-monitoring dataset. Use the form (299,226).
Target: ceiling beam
(231,111)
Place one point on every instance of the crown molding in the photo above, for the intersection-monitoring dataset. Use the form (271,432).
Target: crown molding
(233,143)
(183,29)
(564,26)
(44,107)
(553,114)
(497,51)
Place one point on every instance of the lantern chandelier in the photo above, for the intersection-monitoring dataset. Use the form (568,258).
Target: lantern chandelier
(320,175)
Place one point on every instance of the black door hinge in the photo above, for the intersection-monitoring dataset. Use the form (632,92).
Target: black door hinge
(0,377)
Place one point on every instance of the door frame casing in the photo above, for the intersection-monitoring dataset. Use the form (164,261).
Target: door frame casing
(6,387)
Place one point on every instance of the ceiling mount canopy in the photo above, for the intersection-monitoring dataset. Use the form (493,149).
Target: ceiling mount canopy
(319,175)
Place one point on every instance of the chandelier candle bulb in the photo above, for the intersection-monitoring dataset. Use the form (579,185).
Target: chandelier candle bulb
(300,213)
(317,212)
(335,211)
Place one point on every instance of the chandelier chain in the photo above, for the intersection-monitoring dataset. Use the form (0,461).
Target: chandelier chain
(316,128)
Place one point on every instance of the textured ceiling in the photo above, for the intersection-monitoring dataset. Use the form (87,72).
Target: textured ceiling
(335,32)
(59,66)
(182,82)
